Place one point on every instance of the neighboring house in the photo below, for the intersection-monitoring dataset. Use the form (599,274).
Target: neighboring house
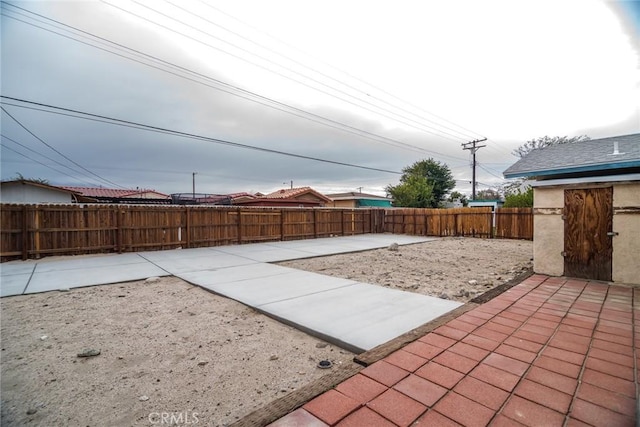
(493,204)
(586,208)
(294,197)
(26,191)
(358,200)
(115,195)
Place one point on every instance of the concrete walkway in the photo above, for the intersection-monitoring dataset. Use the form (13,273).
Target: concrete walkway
(548,352)
(355,316)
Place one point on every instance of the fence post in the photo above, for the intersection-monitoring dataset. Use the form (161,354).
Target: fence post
(119,214)
(239,226)
(187,231)
(315,223)
(281,224)
(25,233)
(36,231)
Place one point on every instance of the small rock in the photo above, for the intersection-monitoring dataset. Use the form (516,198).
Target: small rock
(90,352)
(31,411)
(44,337)
(143,398)
(152,280)
(444,295)
(203,363)
(321,344)
(273,357)
(393,247)
(472,282)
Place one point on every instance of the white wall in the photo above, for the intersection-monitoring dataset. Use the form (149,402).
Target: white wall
(24,193)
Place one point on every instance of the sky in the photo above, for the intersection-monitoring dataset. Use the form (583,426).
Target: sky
(247,95)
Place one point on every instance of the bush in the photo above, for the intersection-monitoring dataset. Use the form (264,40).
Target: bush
(521,199)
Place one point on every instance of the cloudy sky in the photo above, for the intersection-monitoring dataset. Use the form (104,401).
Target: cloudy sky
(337,95)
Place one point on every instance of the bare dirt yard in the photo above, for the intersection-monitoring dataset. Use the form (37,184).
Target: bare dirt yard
(454,268)
(169,349)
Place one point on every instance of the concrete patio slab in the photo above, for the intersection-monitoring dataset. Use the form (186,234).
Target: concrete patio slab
(288,286)
(360,316)
(13,284)
(210,260)
(357,316)
(209,278)
(53,279)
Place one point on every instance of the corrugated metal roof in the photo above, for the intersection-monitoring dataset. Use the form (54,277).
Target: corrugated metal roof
(586,156)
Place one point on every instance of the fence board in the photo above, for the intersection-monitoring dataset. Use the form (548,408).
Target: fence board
(33,231)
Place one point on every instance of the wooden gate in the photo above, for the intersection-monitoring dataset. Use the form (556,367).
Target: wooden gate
(588,247)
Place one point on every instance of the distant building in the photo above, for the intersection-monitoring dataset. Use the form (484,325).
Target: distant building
(294,197)
(116,195)
(358,200)
(493,204)
(26,191)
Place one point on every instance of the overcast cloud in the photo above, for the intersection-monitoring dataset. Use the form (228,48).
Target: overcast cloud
(437,73)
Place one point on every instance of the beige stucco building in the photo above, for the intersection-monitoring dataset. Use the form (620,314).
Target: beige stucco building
(586,208)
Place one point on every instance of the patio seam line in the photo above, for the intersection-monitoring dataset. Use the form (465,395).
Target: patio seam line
(33,270)
(306,295)
(232,281)
(161,268)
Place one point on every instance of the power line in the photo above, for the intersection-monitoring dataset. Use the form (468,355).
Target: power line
(365,100)
(228,88)
(57,151)
(128,123)
(471,133)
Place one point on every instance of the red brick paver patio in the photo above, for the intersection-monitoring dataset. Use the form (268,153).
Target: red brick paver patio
(548,352)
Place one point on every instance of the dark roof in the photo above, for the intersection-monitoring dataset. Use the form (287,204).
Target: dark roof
(592,157)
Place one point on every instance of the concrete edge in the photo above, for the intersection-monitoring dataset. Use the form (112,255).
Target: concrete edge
(279,408)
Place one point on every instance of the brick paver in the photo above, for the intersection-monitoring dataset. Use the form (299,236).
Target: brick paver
(551,351)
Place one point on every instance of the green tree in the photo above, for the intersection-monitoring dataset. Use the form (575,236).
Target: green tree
(519,199)
(546,141)
(488,194)
(456,195)
(424,184)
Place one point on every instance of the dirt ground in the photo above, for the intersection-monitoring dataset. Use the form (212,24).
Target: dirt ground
(454,268)
(172,352)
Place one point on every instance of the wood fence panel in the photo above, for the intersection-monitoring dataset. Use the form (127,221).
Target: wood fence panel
(514,223)
(33,231)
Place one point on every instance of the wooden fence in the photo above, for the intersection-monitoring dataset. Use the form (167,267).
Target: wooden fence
(34,231)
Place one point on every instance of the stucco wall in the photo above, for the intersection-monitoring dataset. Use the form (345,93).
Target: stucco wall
(20,193)
(548,240)
(626,222)
(548,226)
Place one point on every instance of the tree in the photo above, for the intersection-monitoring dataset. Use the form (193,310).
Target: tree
(488,194)
(20,177)
(546,141)
(519,199)
(456,195)
(423,184)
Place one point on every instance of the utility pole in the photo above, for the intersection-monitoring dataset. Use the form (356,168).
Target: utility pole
(193,188)
(472,145)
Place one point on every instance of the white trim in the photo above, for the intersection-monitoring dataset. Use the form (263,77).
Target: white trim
(587,180)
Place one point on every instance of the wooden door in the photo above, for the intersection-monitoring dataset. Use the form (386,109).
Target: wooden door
(588,248)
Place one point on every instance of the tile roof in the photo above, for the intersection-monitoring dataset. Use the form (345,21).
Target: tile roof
(112,192)
(292,193)
(586,156)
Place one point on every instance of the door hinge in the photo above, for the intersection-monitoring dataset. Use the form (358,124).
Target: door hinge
(563,253)
(612,233)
